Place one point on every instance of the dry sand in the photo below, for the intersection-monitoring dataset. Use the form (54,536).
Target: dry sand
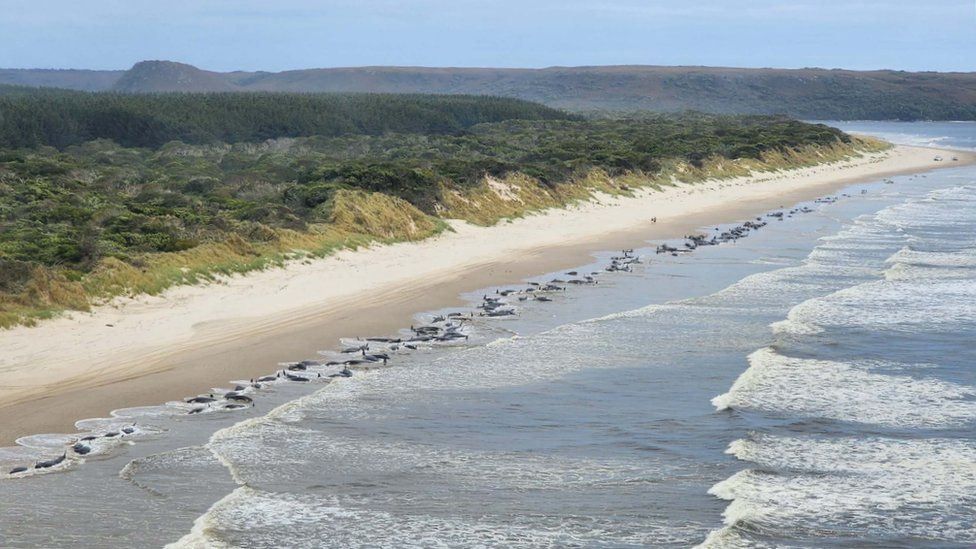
(149,350)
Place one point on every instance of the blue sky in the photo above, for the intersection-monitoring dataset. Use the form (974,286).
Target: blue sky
(277,35)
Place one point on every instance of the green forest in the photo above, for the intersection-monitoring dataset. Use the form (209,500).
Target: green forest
(31,117)
(239,191)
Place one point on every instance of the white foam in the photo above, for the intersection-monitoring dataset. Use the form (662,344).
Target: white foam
(921,266)
(965,258)
(943,208)
(281,519)
(899,305)
(200,537)
(847,392)
(872,486)
(49,441)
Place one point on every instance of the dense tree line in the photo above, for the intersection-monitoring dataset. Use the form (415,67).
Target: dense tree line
(34,117)
(74,206)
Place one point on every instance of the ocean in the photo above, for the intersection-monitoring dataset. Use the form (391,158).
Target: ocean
(812,385)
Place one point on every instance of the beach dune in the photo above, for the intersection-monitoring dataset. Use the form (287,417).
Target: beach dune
(150,349)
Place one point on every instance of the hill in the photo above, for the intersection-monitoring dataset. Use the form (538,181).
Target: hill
(801,93)
(163,76)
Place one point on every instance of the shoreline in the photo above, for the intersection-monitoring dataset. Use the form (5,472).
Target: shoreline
(150,349)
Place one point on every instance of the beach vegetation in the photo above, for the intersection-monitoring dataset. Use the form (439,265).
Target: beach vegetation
(82,222)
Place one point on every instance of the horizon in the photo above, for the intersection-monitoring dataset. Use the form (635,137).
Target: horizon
(485,67)
(224,36)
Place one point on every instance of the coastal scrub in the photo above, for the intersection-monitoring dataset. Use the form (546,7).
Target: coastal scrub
(90,222)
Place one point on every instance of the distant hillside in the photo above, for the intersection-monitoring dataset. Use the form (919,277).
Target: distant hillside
(61,118)
(163,76)
(802,93)
(808,93)
(68,79)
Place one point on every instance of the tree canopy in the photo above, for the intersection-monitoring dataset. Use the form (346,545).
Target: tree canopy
(31,117)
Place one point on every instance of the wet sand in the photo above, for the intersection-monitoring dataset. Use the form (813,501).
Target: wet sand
(192,338)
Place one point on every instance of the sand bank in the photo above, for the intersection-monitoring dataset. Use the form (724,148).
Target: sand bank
(151,349)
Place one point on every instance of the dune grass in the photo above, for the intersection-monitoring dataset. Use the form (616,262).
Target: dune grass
(517,195)
(358,219)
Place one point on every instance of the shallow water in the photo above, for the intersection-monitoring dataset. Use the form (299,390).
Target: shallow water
(811,385)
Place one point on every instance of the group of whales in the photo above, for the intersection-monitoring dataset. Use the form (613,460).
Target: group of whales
(81,447)
(695,241)
(361,353)
(441,329)
(501,303)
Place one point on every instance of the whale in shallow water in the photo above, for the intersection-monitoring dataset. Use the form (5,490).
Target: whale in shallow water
(502,312)
(81,449)
(384,339)
(51,462)
(377,357)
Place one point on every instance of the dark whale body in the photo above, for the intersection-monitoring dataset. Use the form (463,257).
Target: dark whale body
(50,463)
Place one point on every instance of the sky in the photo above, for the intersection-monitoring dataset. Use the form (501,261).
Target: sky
(276,35)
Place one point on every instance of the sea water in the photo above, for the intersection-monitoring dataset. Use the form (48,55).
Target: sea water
(809,386)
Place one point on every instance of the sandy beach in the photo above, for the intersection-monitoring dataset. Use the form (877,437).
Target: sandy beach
(152,349)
